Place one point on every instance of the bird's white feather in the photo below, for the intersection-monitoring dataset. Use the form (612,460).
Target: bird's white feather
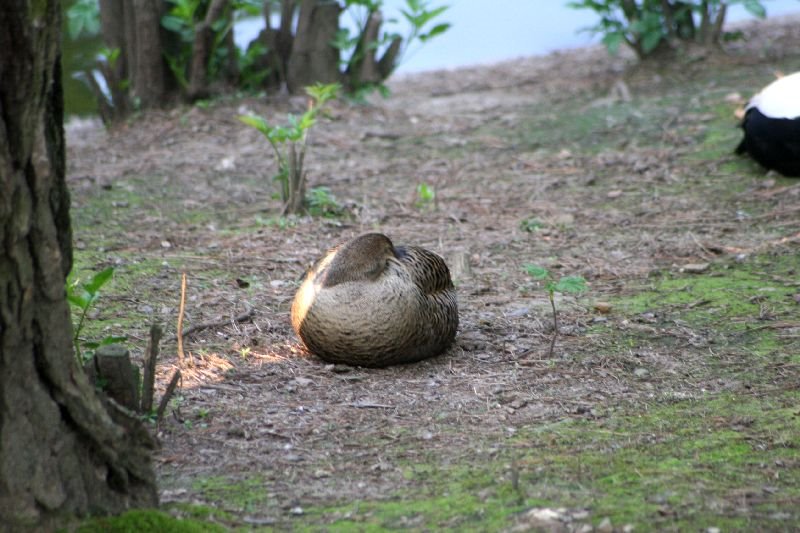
(779,99)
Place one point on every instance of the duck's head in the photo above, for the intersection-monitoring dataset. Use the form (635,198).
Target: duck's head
(361,259)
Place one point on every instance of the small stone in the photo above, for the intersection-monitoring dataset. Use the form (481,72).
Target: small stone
(695,268)
(602,307)
(296,510)
(641,372)
(166,244)
(616,193)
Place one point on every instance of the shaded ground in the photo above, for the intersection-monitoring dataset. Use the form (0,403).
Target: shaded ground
(677,409)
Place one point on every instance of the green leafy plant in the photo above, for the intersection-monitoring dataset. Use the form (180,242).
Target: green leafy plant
(83,19)
(650,25)
(322,203)
(82,296)
(426,195)
(531,225)
(289,145)
(363,72)
(564,285)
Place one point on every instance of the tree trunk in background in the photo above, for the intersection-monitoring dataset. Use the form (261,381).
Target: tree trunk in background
(202,48)
(148,81)
(61,451)
(313,58)
(112,19)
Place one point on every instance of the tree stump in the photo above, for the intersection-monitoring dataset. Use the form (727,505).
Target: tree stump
(112,369)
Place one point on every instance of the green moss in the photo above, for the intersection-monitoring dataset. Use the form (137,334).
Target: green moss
(145,520)
(237,495)
(683,466)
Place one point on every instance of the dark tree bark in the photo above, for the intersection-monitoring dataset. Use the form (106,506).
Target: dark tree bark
(202,48)
(62,451)
(112,19)
(148,75)
(314,59)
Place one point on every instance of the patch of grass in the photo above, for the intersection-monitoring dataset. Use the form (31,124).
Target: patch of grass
(235,495)
(146,520)
(729,296)
(726,461)
(462,497)
(205,513)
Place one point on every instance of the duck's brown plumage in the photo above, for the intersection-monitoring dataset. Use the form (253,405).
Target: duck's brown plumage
(369,303)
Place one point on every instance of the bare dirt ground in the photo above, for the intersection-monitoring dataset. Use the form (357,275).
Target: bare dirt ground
(615,201)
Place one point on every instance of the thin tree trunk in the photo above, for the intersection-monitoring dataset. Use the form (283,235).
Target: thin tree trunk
(202,48)
(112,24)
(61,451)
(148,76)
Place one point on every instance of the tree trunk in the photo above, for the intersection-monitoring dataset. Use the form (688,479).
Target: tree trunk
(314,59)
(112,24)
(62,452)
(148,77)
(202,49)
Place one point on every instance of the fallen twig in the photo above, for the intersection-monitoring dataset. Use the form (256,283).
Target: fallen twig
(180,319)
(162,406)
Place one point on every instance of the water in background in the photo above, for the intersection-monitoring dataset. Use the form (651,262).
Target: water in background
(509,28)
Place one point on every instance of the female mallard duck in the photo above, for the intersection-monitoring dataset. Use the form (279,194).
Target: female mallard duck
(370,303)
(772,126)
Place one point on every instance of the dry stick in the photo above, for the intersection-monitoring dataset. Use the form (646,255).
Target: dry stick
(150,357)
(555,327)
(162,406)
(180,319)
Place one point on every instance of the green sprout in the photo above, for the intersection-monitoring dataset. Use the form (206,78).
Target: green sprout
(565,285)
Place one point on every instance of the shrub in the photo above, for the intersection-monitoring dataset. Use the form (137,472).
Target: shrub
(648,26)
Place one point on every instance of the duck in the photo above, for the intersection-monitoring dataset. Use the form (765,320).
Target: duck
(771,126)
(370,303)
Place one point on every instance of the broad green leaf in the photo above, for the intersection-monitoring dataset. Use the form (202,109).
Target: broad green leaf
(257,122)
(570,284)
(650,40)
(98,280)
(613,41)
(756,8)
(436,30)
(79,298)
(537,272)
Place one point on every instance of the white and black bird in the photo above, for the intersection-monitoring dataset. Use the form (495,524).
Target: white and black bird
(772,126)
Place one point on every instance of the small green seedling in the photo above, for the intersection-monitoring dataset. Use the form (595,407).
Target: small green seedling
(565,285)
(322,203)
(82,297)
(531,225)
(289,145)
(426,195)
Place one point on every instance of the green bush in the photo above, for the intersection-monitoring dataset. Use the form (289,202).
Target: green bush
(648,26)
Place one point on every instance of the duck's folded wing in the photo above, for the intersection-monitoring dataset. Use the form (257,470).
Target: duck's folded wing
(428,270)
